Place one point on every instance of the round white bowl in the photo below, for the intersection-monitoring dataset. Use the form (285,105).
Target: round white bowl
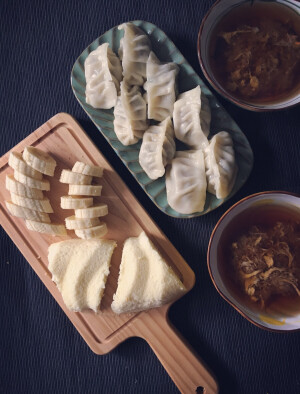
(261,319)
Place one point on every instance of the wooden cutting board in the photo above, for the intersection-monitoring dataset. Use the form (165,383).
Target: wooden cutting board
(66,141)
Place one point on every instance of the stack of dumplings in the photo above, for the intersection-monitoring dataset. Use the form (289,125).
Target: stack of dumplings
(143,95)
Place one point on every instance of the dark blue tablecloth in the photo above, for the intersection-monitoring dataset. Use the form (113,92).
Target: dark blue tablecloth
(40,350)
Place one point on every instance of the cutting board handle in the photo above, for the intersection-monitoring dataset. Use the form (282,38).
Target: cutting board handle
(182,364)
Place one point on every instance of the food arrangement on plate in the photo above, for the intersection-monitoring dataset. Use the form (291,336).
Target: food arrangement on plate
(205,165)
(149,124)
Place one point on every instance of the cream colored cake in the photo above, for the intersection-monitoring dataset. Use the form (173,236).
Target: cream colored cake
(145,279)
(80,269)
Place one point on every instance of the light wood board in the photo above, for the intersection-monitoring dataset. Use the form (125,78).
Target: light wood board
(66,141)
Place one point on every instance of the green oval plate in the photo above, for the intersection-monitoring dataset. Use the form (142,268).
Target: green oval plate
(166,51)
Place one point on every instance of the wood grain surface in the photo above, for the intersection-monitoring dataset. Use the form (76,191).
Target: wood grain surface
(65,140)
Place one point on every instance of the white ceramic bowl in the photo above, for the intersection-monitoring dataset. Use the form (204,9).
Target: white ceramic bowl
(287,320)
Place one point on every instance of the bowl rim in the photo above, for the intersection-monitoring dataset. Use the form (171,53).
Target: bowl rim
(222,91)
(209,252)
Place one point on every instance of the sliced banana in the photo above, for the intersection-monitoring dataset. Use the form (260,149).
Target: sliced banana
(85,190)
(73,223)
(25,213)
(74,178)
(71,202)
(93,232)
(16,162)
(30,203)
(18,188)
(92,212)
(39,160)
(48,228)
(44,184)
(87,169)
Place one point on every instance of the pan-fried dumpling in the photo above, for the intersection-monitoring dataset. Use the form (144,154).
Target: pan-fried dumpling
(160,88)
(158,148)
(186,182)
(103,73)
(127,132)
(134,51)
(191,118)
(221,168)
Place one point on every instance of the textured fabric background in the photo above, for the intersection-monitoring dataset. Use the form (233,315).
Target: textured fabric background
(40,351)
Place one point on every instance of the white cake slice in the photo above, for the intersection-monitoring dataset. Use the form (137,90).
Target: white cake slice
(80,269)
(145,279)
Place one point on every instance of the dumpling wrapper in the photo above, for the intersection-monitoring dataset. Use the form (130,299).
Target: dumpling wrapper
(130,114)
(134,51)
(186,182)
(157,149)
(129,132)
(191,117)
(160,88)
(221,167)
(103,73)
(134,105)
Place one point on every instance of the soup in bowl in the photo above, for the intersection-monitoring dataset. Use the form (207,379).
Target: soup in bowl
(254,259)
(250,52)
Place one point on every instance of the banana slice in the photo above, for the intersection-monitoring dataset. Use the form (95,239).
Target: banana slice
(44,184)
(39,160)
(87,169)
(68,176)
(85,190)
(73,223)
(93,232)
(92,212)
(36,205)
(25,213)
(18,188)
(48,228)
(16,162)
(69,202)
